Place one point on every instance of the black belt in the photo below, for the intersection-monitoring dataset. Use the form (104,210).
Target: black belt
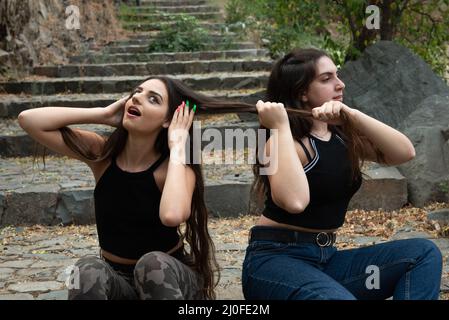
(322,239)
(127,269)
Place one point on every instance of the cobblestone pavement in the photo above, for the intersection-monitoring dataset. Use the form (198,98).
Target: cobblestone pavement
(34,260)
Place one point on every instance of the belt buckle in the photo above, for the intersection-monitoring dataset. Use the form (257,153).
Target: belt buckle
(328,241)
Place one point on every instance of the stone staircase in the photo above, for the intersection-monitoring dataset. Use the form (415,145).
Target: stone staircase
(61,191)
(99,77)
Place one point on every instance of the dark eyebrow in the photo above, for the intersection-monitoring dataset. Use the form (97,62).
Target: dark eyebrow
(152,92)
(327,73)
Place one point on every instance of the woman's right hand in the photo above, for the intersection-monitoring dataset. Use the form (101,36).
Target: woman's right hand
(272,115)
(114,112)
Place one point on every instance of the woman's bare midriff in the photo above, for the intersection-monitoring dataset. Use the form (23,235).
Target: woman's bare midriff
(264,221)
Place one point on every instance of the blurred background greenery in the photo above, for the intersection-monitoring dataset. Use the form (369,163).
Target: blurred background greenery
(338,26)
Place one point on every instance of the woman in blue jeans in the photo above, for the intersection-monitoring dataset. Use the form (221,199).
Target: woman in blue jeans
(308,186)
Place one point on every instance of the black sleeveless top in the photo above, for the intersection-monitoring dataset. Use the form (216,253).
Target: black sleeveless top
(127,213)
(330,184)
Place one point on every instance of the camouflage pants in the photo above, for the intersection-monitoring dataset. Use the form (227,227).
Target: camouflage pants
(156,275)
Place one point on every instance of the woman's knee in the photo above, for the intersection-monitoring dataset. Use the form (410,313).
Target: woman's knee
(427,250)
(154,265)
(89,279)
(431,250)
(155,277)
(91,264)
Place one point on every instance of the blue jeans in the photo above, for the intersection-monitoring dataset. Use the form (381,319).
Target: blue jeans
(405,269)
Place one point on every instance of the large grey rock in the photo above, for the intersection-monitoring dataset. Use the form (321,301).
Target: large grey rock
(428,173)
(31,205)
(382,187)
(388,82)
(432,111)
(76,206)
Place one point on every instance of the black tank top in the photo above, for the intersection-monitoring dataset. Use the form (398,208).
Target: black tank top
(330,184)
(127,213)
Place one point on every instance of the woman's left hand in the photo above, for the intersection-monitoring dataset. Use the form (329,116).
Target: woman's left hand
(330,112)
(178,131)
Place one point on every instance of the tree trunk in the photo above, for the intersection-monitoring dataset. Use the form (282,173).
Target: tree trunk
(386,25)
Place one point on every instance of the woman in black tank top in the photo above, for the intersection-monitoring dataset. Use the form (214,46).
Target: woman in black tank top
(291,254)
(146,188)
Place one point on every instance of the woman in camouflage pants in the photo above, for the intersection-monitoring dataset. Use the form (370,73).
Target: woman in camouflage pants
(145,190)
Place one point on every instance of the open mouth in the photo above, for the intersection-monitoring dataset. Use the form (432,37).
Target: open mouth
(134,111)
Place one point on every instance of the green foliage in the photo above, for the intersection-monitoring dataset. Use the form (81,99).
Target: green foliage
(335,50)
(238,10)
(283,25)
(425,31)
(184,35)
(125,9)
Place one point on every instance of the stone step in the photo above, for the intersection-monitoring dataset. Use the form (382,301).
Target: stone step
(214,35)
(145,35)
(147,38)
(142,68)
(14,142)
(210,81)
(216,38)
(62,191)
(151,26)
(12,105)
(386,187)
(172,9)
(162,16)
(172,3)
(143,47)
(169,56)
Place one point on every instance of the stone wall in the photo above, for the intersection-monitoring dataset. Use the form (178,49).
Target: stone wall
(34,32)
